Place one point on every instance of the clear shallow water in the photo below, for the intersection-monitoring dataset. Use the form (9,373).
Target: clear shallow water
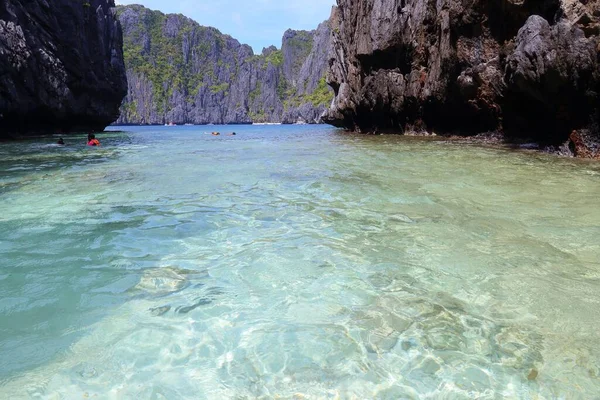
(296,262)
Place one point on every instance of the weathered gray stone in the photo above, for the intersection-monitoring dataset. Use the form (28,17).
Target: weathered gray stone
(528,68)
(549,77)
(61,66)
(218,80)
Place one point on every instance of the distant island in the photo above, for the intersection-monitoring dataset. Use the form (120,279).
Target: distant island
(182,73)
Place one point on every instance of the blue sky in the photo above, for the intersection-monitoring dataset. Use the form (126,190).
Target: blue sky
(259,23)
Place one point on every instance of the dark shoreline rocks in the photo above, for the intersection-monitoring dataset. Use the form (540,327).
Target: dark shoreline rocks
(528,69)
(61,66)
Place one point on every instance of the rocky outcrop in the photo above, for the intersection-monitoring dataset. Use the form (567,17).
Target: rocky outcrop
(550,78)
(180,72)
(528,68)
(312,96)
(61,66)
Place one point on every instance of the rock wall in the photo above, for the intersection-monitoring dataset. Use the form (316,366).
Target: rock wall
(61,66)
(528,68)
(180,72)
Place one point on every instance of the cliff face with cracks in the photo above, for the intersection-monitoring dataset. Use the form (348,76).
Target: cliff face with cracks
(61,66)
(180,72)
(528,68)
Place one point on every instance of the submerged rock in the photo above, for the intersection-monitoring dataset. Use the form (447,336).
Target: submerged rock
(533,374)
(163,281)
(61,66)
(160,311)
(526,68)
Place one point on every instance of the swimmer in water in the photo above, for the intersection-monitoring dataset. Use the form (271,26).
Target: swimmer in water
(60,142)
(216,133)
(92,141)
(232,134)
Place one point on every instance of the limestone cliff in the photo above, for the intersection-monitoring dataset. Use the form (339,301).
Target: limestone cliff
(61,66)
(180,72)
(528,68)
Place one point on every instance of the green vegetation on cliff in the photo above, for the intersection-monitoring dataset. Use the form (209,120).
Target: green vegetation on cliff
(275,58)
(147,51)
(321,96)
(182,72)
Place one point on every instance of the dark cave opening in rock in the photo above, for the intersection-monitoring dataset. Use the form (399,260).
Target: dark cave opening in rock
(397,57)
(506,18)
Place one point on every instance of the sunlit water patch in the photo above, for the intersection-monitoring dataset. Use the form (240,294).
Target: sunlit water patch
(296,262)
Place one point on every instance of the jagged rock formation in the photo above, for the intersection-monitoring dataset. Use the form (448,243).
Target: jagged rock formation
(528,68)
(180,72)
(61,66)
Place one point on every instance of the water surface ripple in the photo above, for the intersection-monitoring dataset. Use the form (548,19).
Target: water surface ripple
(296,262)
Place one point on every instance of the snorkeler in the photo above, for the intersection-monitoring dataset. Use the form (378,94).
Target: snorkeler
(92,141)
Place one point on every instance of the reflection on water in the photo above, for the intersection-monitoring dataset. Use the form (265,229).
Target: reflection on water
(296,262)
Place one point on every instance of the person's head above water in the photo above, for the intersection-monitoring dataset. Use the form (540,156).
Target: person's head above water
(60,141)
(92,141)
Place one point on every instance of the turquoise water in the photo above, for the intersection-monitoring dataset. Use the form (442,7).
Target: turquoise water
(296,262)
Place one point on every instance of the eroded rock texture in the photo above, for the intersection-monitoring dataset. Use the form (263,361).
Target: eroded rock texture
(61,66)
(180,72)
(528,68)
